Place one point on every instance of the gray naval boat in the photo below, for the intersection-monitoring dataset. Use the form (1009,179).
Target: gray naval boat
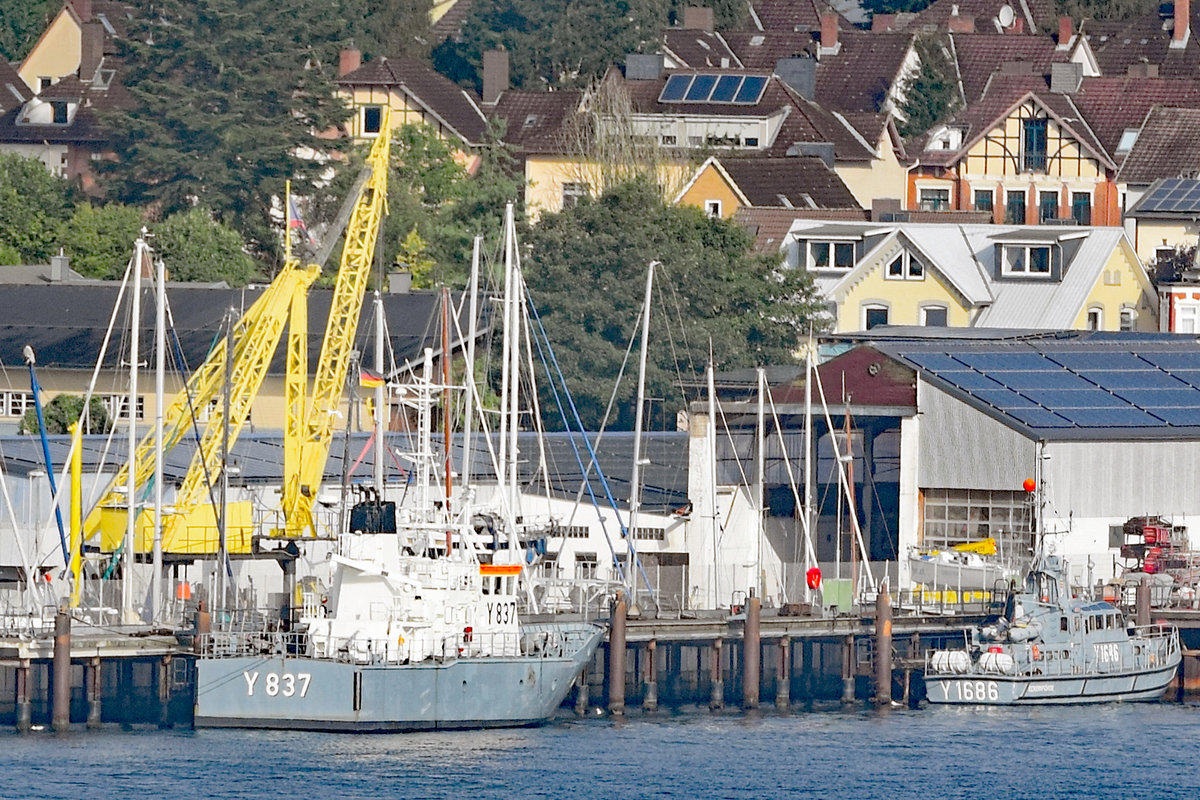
(1050,648)
(408,637)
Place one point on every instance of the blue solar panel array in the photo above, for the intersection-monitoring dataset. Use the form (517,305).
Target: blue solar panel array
(1173,194)
(720,89)
(1073,389)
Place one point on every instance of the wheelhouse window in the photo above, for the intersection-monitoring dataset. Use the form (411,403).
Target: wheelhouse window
(1032,260)
(1033,149)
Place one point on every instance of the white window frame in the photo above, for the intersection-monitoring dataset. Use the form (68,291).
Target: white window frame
(1186,311)
(925,309)
(875,305)
(1007,268)
(1095,318)
(713,208)
(907,261)
(573,192)
(948,199)
(1127,320)
(834,244)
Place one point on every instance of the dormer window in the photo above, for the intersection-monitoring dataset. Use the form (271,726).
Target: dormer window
(1128,140)
(59,115)
(828,255)
(945,139)
(1026,260)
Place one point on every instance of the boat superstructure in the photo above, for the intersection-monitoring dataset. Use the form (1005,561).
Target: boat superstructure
(1048,646)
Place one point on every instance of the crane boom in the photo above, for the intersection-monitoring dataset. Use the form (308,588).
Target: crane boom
(315,432)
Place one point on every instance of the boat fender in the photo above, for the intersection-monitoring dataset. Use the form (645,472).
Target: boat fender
(1037,656)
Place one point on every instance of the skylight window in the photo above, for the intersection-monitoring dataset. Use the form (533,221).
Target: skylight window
(1128,138)
(708,88)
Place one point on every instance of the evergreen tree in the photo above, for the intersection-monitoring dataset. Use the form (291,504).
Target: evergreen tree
(932,94)
(63,410)
(228,99)
(586,271)
(388,27)
(21,23)
(33,206)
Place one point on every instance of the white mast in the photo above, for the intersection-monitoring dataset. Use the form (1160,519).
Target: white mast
(512,335)
(469,372)
(809,517)
(160,369)
(135,323)
(506,357)
(761,517)
(380,397)
(712,475)
(636,479)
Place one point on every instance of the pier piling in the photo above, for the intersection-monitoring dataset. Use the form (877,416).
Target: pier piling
(24,698)
(751,652)
(1142,601)
(783,680)
(716,700)
(848,669)
(61,715)
(581,694)
(92,687)
(650,700)
(616,659)
(883,647)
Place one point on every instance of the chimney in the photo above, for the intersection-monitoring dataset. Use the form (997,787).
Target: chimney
(1018,25)
(643,66)
(348,61)
(58,268)
(882,22)
(83,9)
(399,282)
(959,24)
(91,50)
(1183,22)
(821,150)
(829,34)
(1065,78)
(1065,32)
(698,18)
(800,73)
(884,208)
(495,75)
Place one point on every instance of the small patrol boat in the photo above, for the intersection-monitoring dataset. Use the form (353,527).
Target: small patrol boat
(1048,647)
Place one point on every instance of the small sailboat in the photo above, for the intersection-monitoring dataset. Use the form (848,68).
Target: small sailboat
(966,567)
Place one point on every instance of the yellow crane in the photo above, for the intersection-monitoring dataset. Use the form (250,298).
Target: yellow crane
(191,527)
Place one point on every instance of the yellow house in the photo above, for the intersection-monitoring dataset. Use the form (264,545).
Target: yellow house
(989,276)
(723,186)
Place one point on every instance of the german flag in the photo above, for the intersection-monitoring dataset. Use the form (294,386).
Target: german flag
(369,379)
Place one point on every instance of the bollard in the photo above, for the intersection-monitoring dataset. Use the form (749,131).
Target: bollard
(650,701)
(1142,600)
(716,699)
(61,714)
(91,680)
(783,681)
(883,647)
(616,660)
(24,701)
(581,694)
(848,670)
(751,652)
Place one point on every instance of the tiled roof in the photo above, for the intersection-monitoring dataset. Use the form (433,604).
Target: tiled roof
(85,126)
(1111,105)
(449,25)
(13,91)
(764,49)
(805,121)
(426,87)
(798,180)
(1167,146)
(1030,13)
(1144,39)
(979,55)
(697,49)
(770,225)
(534,120)
(789,15)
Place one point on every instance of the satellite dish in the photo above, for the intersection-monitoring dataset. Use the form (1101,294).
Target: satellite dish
(1006,16)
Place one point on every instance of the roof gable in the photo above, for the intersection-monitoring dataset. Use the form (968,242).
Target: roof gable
(439,96)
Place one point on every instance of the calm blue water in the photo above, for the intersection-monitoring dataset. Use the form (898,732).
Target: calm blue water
(1104,752)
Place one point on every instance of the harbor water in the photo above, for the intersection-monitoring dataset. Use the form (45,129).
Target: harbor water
(1114,751)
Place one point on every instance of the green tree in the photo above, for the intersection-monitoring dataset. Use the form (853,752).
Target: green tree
(932,94)
(1106,9)
(21,22)
(99,239)
(33,206)
(65,409)
(388,27)
(195,247)
(586,271)
(412,258)
(226,96)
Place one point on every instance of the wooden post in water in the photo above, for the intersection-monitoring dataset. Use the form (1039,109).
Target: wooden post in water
(616,659)
(848,670)
(883,647)
(650,701)
(1142,601)
(752,652)
(91,682)
(716,698)
(581,694)
(783,679)
(61,715)
(24,699)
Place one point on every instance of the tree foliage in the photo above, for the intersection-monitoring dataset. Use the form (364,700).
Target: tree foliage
(21,22)
(33,206)
(388,27)
(227,95)
(586,272)
(932,94)
(99,239)
(195,247)
(63,410)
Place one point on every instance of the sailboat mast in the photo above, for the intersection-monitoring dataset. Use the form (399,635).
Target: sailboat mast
(446,408)
(382,411)
(761,517)
(135,325)
(469,372)
(712,475)
(160,370)
(636,478)
(809,516)
(506,347)
(851,500)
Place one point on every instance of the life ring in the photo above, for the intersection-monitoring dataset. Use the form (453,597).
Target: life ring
(468,633)
(1036,655)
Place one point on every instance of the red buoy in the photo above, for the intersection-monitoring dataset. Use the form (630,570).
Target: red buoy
(1029,485)
(813,577)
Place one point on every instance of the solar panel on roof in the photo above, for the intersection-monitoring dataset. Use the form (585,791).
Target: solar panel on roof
(1157,399)
(1189,416)
(726,88)
(1032,381)
(1173,361)
(1110,417)
(1177,194)
(752,89)
(674,89)
(700,89)
(1128,379)
(1102,360)
(1040,418)
(1063,400)
(1004,399)
(968,379)
(934,362)
(1006,361)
